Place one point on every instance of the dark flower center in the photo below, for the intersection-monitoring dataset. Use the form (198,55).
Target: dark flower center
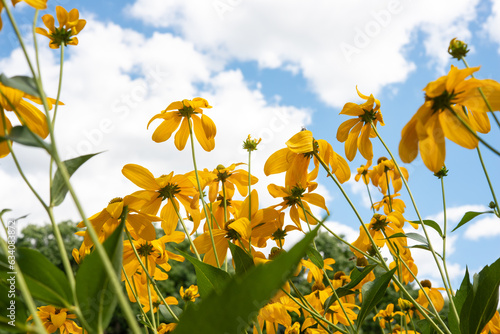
(169,191)
(294,198)
(145,249)
(443,101)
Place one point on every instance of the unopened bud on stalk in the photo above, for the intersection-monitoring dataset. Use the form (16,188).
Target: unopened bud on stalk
(457,49)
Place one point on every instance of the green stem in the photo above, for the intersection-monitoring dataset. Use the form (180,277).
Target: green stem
(483,96)
(431,248)
(497,208)
(389,190)
(171,199)
(445,221)
(467,126)
(151,280)
(369,193)
(200,191)
(133,289)
(151,310)
(25,292)
(249,196)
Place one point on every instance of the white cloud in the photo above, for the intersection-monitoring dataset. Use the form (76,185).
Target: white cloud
(114,82)
(487,227)
(335,44)
(492,24)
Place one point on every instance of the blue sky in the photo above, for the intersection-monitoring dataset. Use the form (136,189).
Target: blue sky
(267,69)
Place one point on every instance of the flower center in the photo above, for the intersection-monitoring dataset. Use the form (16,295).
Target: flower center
(368,116)
(61,36)
(169,191)
(145,249)
(295,195)
(443,101)
(380,222)
(187,111)
(426,283)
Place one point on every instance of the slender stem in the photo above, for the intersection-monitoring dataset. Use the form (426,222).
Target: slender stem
(445,221)
(249,195)
(129,237)
(483,96)
(151,310)
(369,193)
(171,199)
(25,292)
(61,62)
(467,126)
(497,208)
(133,289)
(200,191)
(431,248)
(389,190)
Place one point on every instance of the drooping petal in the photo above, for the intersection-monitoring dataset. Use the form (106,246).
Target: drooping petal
(208,144)
(277,191)
(455,131)
(208,126)
(301,142)
(182,135)
(165,129)
(432,147)
(35,119)
(169,216)
(316,199)
(352,109)
(351,143)
(279,161)
(364,143)
(140,176)
(345,128)
(408,146)
(143,226)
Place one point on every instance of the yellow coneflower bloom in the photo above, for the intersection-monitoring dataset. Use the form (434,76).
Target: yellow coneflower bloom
(140,289)
(387,315)
(356,132)
(4,147)
(295,158)
(314,271)
(363,172)
(55,318)
(190,294)
(386,171)
(436,119)
(166,328)
(493,326)
(395,203)
(173,188)
(276,313)
(204,128)
(69,26)
(433,293)
(229,177)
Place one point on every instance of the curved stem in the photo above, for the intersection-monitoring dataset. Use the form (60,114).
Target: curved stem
(431,248)
(200,191)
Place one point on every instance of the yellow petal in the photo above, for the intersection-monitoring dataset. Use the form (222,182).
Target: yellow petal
(35,119)
(169,216)
(208,144)
(58,319)
(208,126)
(182,135)
(165,129)
(364,143)
(49,21)
(279,161)
(277,191)
(408,146)
(62,16)
(301,142)
(432,147)
(455,131)
(315,199)
(345,127)
(352,109)
(352,142)
(140,176)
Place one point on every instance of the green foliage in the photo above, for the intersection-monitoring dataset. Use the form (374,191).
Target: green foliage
(242,261)
(232,310)
(59,189)
(22,83)
(468,216)
(24,136)
(95,295)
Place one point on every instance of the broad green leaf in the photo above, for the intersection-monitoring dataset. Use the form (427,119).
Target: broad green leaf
(482,301)
(208,277)
(469,216)
(356,277)
(236,306)
(425,327)
(45,281)
(59,188)
(24,136)
(23,83)
(372,293)
(413,236)
(243,262)
(432,224)
(458,300)
(315,258)
(96,296)
(166,314)
(14,312)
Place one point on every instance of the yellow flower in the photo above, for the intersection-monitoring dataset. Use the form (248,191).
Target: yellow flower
(140,289)
(12,99)
(166,328)
(295,158)
(54,318)
(37,4)
(314,271)
(356,132)
(152,253)
(493,326)
(173,188)
(190,294)
(69,26)
(436,119)
(186,110)
(229,177)
(272,227)
(363,172)
(105,222)
(387,315)
(405,273)
(435,296)
(293,196)
(385,171)
(395,203)
(276,313)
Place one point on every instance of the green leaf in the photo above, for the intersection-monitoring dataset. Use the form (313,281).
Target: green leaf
(315,258)
(426,247)
(469,216)
(24,136)
(208,277)
(23,83)
(166,314)
(372,293)
(425,327)
(59,188)
(96,296)
(432,224)
(482,301)
(356,277)
(14,311)
(413,236)
(236,306)
(243,262)
(459,300)
(45,281)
